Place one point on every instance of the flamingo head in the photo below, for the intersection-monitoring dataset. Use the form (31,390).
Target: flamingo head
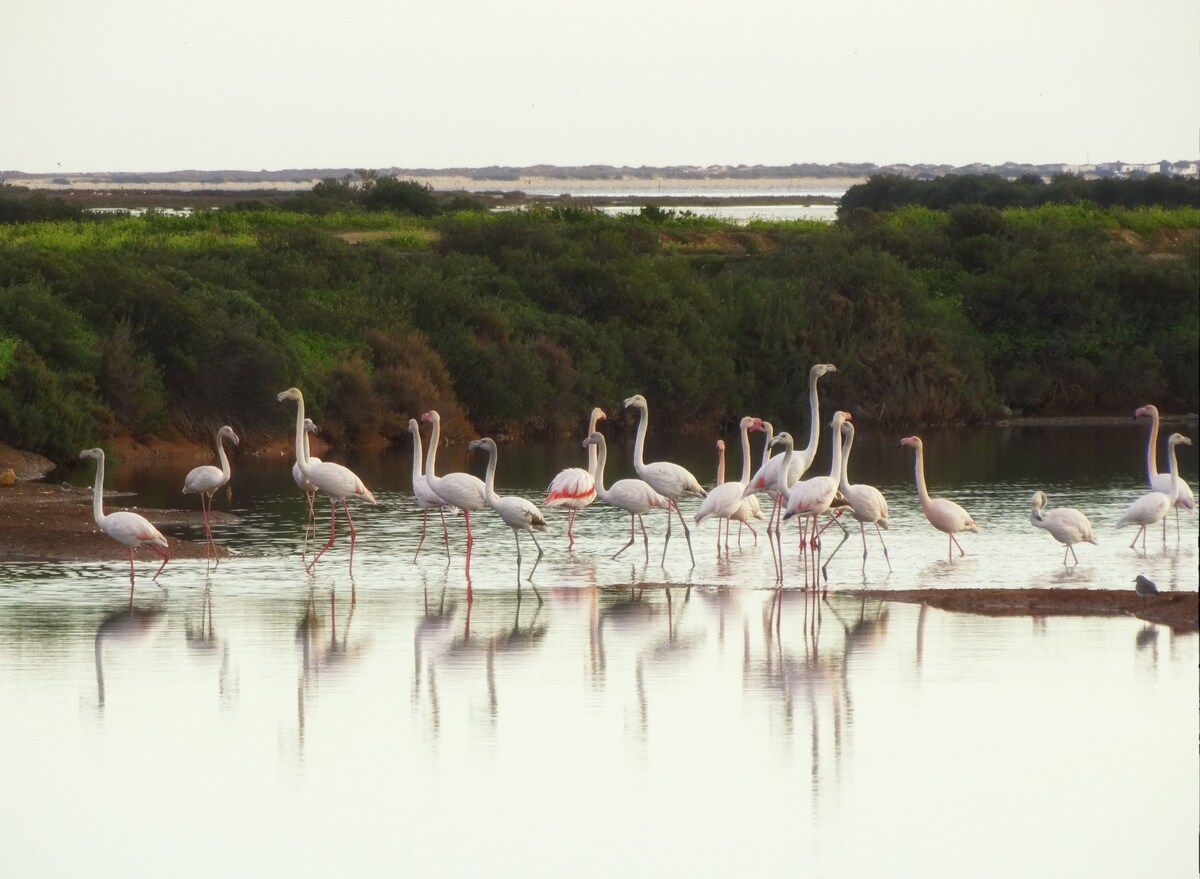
(839,418)
(821,369)
(749,423)
(594,439)
(1178,439)
(598,414)
(1150,410)
(289,394)
(312,428)
(912,441)
(1038,500)
(782,438)
(98,454)
(431,416)
(227,432)
(487,444)
(720,445)
(637,401)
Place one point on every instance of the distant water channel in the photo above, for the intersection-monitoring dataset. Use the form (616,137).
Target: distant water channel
(252,719)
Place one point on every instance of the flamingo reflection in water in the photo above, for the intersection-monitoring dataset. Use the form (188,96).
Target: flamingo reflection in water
(131,628)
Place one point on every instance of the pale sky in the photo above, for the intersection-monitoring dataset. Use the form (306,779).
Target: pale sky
(130,85)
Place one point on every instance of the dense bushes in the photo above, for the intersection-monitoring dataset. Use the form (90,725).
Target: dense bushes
(520,322)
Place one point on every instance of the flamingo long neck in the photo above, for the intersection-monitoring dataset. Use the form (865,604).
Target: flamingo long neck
(435,437)
(417,452)
(769,430)
(1172,466)
(98,491)
(835,463)
(225,471)
(591,468)
(919,469)
(1152,446)
(745,480)
(814,430)
(1036,519)
(489,478)
(844,482)
(720,464)
(601,459)
(789,450)
(301,451)
(639,444)
(307,451)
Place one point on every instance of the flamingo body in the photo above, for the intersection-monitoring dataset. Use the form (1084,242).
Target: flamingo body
(943,514)
(634,496)
(1153,507)
(1065,524)
(127,528)
(1161,482)
(575,488)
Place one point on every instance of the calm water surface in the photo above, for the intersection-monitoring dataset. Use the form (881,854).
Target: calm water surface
(256,720)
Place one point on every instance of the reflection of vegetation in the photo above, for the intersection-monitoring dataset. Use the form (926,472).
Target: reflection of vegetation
(518,319)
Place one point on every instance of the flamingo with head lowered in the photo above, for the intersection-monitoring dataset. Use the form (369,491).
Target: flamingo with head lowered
(1066,524)
(944,515)
(205,481)
(575,488)
(123,526)
(666,477)
(339,483)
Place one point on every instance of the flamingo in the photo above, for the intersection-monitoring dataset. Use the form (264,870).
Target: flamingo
(123,526)
(1066,525)
(339,483)
(1154,506)
(774,476)
(944,515)
(725,500)
(812,497)
(574,487)
(634,496)
(867,503)
(516,512)
(462,490)
(1162,481)
(307,488)
(425,496)
(665,477)
(205,480)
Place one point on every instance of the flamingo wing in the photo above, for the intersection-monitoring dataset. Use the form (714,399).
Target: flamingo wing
(573,488)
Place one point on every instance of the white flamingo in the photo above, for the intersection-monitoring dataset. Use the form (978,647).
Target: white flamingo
(725,500)
(462,490)
(427,499)
(667,478)
(337,482)
(634,496)
(206,479)
(123,526)
(1154,506)
(867,503)
(777,478)
(944,515)
(1162,481)
(1066,525)
(307,488)
(516,512)
(814,496)
(574,488)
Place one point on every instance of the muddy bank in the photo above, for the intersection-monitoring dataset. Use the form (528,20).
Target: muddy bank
(1179,610)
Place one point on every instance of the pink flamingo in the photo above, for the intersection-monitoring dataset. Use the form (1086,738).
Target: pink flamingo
(426,498)
(725,500)
(1154,506)
(1161,482)
(339,483)
(206,479)
(944,515)
(1066,525)
(307,488)
(634,496)
(462,490)
(516,512)
(574,487)
(667,478)
(867,503)
(124,526)
(774,476)
(812,497)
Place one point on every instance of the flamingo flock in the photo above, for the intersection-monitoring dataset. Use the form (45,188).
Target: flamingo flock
(817,502)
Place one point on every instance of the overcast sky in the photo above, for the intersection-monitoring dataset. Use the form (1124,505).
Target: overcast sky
(129,85)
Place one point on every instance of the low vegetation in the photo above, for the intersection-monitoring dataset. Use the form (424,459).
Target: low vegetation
(517,322)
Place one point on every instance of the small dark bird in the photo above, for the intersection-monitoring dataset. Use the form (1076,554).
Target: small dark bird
(1144,587)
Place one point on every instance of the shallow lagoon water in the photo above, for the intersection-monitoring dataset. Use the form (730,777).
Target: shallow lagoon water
(255,719)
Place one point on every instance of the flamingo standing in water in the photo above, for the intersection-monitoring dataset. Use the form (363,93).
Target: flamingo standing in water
(634,496)
(725,500)
(516,512)
(1154,506)
(124,526)
(944,515)
(774,476)
(667,478)
(574,487)
(1161,482)
(307,488)
(867,503)
(205,481)
(1066,525)
(812,497)
(426,498)
(339,483)
(462,490)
